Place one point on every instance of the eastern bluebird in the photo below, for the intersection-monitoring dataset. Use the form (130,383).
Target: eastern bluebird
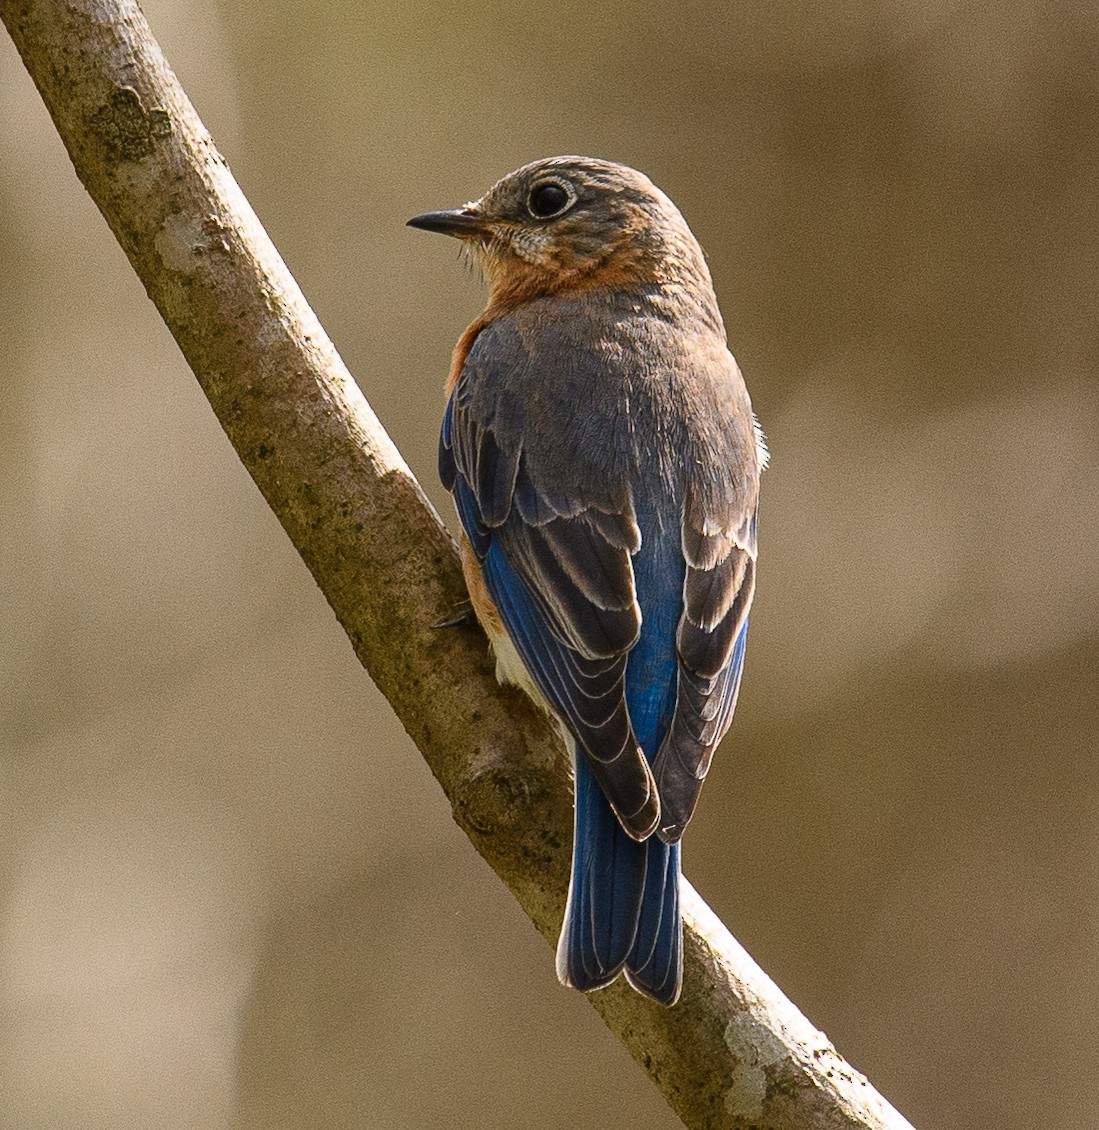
(601,450)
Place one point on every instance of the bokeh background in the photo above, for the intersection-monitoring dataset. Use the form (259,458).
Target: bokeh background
(231,894)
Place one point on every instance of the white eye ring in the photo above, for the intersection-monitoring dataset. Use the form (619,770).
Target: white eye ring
(550,182)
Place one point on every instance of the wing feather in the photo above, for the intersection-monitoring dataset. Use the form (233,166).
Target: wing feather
(560,575)
(710,643)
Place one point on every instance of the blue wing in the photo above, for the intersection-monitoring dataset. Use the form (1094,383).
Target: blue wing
(561,579)
(711,640)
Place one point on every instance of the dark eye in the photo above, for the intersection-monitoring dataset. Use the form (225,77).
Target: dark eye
(549,198)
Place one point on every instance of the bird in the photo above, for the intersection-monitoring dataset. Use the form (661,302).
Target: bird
(604,461)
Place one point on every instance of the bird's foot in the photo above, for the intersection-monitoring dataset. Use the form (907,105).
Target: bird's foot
(466,615)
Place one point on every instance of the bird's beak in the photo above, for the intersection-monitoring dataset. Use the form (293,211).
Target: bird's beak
(459,222)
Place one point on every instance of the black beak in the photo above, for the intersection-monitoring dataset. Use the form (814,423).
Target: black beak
(458,222)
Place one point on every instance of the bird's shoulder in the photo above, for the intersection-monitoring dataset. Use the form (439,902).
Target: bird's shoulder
(605,384)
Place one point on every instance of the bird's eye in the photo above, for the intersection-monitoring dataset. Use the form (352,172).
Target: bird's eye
(549,198)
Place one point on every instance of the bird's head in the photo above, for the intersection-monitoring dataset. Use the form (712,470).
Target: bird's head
(567,224)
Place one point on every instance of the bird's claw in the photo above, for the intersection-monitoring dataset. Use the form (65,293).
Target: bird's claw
(459,619)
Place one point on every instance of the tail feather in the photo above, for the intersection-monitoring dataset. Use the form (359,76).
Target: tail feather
(623,905)
(655,964)
(608,878)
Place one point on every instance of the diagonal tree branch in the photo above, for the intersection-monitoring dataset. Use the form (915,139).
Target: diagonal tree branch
(734,1052)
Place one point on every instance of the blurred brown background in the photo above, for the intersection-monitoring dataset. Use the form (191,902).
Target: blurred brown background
(231,894)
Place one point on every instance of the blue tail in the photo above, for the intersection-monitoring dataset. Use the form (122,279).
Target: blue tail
(655,964)
(623,909)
